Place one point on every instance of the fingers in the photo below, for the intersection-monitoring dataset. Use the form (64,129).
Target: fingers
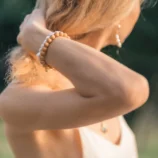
(25,21)
(36,16)
(39,16)
(21,27)
(38,13)
(27,17)
(19,39)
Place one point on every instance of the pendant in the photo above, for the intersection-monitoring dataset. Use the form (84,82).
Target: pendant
(103,128)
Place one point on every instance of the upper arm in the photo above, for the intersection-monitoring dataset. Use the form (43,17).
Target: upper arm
(39,108)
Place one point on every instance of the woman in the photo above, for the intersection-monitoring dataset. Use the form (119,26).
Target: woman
(74,110)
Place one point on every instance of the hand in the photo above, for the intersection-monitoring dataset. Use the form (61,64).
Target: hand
(29,29)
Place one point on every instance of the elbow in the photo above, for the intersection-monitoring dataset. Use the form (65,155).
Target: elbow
(137,93)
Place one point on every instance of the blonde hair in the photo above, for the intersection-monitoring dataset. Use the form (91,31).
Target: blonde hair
(75,17)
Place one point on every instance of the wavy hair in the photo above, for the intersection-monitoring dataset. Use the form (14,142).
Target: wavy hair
(76,18)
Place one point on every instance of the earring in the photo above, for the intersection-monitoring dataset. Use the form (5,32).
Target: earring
(118,40)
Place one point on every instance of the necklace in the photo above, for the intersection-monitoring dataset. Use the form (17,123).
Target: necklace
(103,128)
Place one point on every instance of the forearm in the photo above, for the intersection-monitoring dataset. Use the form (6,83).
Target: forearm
(89,70)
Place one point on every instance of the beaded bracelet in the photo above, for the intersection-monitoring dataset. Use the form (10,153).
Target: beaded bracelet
(45,45)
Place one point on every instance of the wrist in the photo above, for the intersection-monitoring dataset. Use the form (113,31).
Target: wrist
(37,37)
(46,44)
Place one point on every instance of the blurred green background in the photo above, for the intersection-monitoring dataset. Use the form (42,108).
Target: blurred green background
(139,52)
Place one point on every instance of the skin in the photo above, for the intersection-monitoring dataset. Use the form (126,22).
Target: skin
(36,117)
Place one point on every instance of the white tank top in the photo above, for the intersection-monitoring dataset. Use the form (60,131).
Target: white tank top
(95,146)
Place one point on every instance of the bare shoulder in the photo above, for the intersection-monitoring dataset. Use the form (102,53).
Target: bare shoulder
(12,98)
(40,108)
(16,90)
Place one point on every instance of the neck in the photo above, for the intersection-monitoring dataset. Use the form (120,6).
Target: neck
(97,39)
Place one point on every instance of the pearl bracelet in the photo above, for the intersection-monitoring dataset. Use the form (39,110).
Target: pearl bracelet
(45,45)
